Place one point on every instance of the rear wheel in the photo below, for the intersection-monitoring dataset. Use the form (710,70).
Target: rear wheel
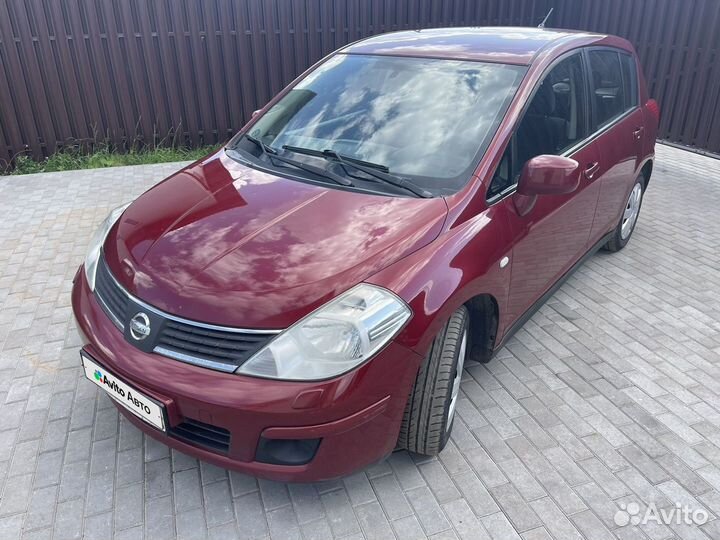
(626,226)
(430,410)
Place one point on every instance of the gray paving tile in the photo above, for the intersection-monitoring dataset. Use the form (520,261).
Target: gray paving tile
(282,523)
(98,527)
(190,524)
(131,512)
(218,503)
(340,513)
(100,494)
(555,521)
(160,524)
(306,502)
(316,530)
(69,521)
(499,528)
(41,512)
(391,497)
(373,521)
(408,528)
(476,494)
(464,520)
(520,514)
(249,514)
(428,510)
(439,481)
(16,495)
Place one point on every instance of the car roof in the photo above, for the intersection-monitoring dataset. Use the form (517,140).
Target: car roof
(502,44)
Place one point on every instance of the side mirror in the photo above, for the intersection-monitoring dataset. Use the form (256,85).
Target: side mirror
(545,175)
(256,112)
(549,175)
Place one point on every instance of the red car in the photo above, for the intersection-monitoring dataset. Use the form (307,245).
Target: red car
(302,302)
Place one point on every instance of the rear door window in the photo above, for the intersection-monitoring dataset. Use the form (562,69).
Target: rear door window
(608,90)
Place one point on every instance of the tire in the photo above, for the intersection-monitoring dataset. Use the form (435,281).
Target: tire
(430,409)
(623,232)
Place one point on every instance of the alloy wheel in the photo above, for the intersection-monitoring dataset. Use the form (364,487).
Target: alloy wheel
(458,377)
(632,209)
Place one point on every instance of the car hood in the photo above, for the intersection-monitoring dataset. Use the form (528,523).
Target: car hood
(224,243)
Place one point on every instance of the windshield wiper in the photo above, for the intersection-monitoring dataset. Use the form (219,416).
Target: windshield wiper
(272,154)
(333,154)
(374,170)
(265,148)
(381,172)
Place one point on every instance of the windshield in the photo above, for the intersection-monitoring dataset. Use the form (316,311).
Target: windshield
(427,120)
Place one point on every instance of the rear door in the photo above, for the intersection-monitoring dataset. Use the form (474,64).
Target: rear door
(618,121)
(554,234)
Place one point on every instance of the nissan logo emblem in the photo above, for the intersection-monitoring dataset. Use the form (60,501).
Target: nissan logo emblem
(140,326)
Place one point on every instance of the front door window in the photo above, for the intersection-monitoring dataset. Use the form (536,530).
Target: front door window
(556,118)
(555,121)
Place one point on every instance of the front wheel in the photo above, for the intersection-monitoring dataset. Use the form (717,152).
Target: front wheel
(623,231)
(430,410)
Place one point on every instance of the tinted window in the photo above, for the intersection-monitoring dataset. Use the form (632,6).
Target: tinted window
(629,72)
(608,91)
(556,117)
(430,120)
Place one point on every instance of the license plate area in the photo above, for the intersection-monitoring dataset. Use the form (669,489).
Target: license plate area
(141,405)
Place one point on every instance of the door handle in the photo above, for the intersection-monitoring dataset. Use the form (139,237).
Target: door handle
(591,169)
(638,133)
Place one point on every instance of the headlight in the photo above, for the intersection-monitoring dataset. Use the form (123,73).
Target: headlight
(96,244)
(339,336)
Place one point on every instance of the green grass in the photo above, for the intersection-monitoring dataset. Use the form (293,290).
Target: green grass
(69,160)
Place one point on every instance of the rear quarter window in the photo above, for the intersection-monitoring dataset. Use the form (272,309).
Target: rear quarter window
(630,81)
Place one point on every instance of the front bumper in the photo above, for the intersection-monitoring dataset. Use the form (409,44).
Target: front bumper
(355,416)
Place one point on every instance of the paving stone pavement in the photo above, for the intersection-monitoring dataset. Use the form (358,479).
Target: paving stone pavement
(609,396)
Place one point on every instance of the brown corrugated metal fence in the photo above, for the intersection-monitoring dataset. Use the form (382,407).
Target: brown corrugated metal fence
(193,71)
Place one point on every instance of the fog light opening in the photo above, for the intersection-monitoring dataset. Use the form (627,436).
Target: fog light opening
(286,451)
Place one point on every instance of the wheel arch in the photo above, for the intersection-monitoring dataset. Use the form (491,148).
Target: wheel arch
(484,319)
(646,171)
(461,267)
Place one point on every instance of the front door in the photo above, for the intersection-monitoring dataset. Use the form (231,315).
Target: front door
(554,234)
(551,238)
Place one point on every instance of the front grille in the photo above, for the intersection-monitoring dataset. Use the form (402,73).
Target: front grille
(206,345)
(201,434)
(211,345)
(111,296)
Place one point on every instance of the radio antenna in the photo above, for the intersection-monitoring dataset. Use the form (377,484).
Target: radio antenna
(542,24)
